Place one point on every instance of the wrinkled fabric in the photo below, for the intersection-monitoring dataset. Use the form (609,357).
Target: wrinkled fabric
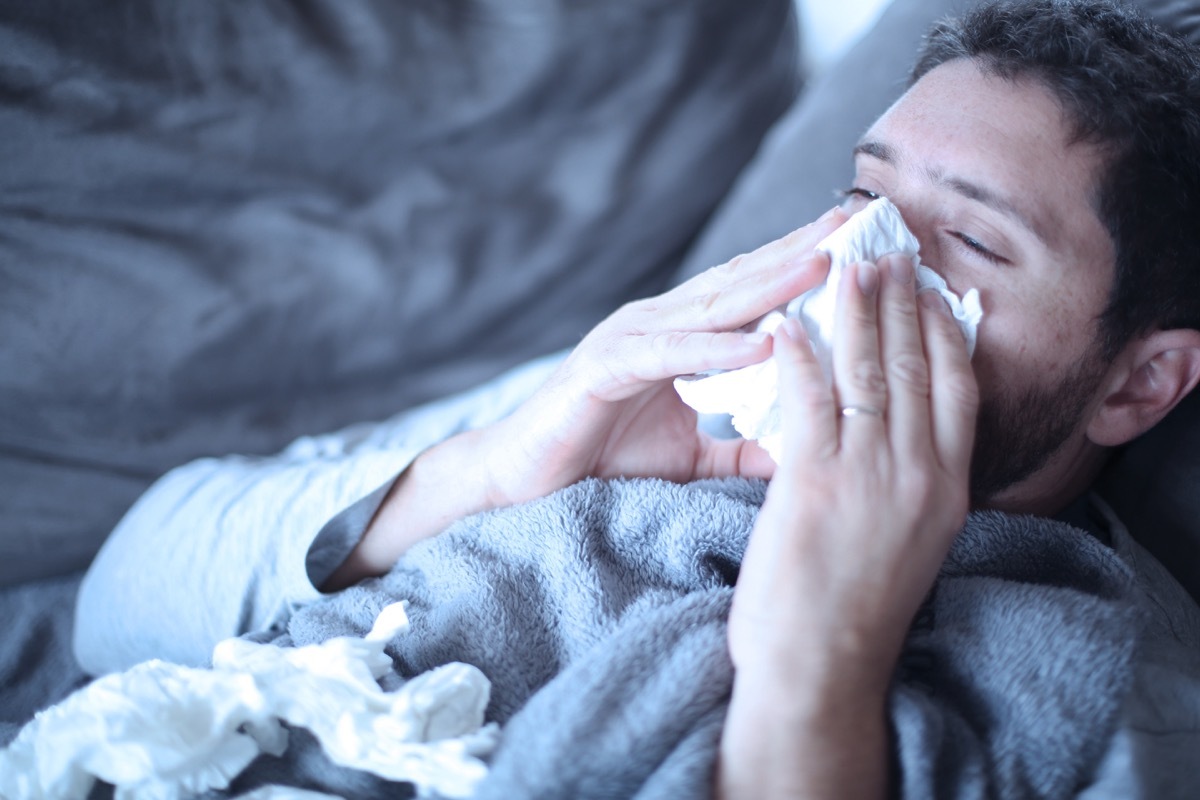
(224,225)
(161,731)
(598,614)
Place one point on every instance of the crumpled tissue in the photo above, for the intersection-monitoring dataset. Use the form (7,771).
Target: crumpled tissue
(751,394)
(162,730)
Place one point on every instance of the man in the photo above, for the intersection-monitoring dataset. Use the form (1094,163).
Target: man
(1044,155)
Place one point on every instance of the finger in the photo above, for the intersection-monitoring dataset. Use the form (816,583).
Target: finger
(674,353)
(722,458)
(625,363)
(806,402)
(904,362)
(953,390)
(748,286)
(858,377)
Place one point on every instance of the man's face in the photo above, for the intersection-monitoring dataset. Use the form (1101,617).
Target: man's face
(984,174)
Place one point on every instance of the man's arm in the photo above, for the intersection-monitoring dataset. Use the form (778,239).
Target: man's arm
(219,547)
(610,409)
(857,521)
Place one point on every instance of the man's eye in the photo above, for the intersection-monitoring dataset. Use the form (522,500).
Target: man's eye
(976,247)
(858,191)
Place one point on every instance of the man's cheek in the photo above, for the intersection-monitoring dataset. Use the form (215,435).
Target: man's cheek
(995,370)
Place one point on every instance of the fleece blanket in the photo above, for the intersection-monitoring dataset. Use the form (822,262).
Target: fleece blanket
(598,613)
(37,667)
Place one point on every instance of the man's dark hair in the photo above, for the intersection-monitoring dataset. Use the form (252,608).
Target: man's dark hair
(1133,90)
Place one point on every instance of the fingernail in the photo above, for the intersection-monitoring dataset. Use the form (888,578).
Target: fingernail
(790,329)
(901,268)
(868,278)
(757,337)
(828,215)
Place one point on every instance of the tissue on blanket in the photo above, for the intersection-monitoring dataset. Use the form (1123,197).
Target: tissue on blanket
(599,614)
(161,730)
(751,394)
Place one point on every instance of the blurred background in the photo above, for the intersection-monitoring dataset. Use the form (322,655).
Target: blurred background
(828,27)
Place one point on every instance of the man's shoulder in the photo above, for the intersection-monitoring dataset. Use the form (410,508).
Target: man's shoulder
(1152,753)
(1172,616)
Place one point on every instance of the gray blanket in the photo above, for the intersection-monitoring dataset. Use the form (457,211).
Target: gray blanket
(37,667)
(599,613)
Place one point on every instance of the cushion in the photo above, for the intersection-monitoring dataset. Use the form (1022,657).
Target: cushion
(225,225)
(1154,484)
(806,157)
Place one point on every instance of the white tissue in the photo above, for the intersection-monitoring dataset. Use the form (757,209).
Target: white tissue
(751,394)
(160,730)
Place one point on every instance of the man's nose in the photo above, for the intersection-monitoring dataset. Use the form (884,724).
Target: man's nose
(921,220)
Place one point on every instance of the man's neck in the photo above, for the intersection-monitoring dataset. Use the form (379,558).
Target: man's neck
(1066,477)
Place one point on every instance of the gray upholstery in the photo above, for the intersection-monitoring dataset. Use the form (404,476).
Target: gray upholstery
(1154,486)
(806,157)
(224,225)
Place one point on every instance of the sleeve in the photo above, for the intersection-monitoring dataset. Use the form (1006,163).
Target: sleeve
(222,546)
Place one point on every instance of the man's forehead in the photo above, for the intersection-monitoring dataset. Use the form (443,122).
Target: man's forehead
(1022,209)
(1000,142)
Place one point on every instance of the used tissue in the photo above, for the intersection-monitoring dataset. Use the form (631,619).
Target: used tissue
(751,394)
(162,730)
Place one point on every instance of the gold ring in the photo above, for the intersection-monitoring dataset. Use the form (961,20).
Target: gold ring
(859,411)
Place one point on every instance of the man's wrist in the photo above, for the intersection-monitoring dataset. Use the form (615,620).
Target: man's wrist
(438,488)
(785,737)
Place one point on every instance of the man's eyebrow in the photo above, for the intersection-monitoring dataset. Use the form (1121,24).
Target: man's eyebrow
(995,201)
(875,150)
(963,187)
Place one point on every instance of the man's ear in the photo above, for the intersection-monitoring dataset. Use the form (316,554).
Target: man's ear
(1149,379)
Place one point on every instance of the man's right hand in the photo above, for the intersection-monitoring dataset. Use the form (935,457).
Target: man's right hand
(610,409)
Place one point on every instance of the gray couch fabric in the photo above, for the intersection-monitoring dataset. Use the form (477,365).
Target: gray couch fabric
(224,225)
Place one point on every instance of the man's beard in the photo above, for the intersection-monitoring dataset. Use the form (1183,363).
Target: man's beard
(1018,431)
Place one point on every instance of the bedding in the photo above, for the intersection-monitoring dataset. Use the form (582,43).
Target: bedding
(603,636)
(223,226)
(598,616)
(106,381)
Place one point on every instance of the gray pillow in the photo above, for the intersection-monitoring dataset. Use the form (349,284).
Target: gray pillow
(225,225)
(1154,485)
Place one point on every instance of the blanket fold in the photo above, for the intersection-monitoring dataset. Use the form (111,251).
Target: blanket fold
(598,613)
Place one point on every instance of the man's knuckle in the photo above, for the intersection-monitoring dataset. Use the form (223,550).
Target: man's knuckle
(632,309)
(869,378)
(703,304)
(663,343)
(962,390)
(863,316)
(904,313)
(732,265)
(910,371)
(815,395)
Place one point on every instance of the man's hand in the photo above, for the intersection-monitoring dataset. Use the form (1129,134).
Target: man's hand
(610,409)
(858,518)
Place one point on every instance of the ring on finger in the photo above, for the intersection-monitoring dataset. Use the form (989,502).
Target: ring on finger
(862,411)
